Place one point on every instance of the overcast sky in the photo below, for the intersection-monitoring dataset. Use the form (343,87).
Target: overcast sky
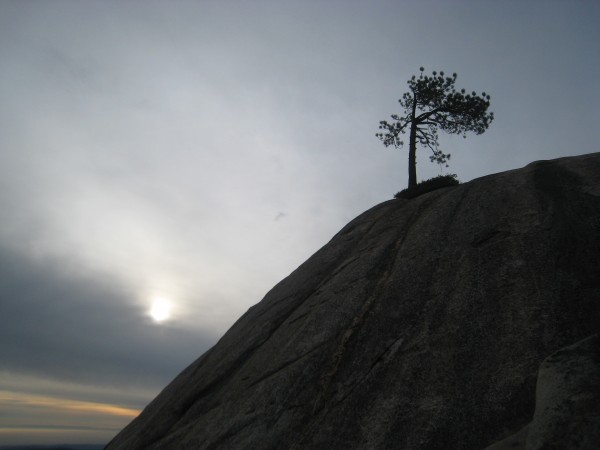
(199,151)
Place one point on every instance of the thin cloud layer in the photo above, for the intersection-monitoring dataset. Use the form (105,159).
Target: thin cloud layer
(63,323)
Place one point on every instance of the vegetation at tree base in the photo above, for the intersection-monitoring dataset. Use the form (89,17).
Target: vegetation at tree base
(433,103)
(432,184)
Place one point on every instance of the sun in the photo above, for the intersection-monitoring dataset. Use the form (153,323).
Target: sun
(160,309)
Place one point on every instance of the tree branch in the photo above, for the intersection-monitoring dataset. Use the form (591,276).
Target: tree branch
(428,114)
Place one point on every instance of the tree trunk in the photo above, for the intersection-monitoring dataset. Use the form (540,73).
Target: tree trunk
(412,158)
(412,148)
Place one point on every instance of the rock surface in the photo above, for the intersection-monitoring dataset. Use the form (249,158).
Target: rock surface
(420,325)
(567,410)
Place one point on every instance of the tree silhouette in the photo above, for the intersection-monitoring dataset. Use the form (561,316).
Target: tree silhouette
(431,104)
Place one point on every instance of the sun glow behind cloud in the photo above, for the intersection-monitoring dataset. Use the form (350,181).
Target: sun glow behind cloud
(160,309)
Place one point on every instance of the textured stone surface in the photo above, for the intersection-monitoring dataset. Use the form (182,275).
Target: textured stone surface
(420,325)
(567,411)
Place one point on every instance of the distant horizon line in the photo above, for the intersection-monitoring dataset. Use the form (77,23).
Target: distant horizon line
(54,447)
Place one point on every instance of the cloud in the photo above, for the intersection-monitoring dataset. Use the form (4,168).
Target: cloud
(27,412)
(61,322)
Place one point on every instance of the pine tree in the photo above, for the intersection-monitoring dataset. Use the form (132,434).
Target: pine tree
(433,103)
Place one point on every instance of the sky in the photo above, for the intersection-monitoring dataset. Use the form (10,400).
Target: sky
(163,164)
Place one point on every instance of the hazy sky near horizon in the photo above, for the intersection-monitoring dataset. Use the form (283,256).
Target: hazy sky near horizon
(199,151)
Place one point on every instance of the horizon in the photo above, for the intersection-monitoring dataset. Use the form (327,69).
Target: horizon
(164,165)
(53,447)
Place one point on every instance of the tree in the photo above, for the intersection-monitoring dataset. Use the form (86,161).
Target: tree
(431,104)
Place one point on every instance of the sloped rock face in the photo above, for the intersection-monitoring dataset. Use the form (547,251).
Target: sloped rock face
(420,325)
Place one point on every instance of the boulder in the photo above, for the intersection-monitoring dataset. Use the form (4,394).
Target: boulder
(567,410)
(421,325)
